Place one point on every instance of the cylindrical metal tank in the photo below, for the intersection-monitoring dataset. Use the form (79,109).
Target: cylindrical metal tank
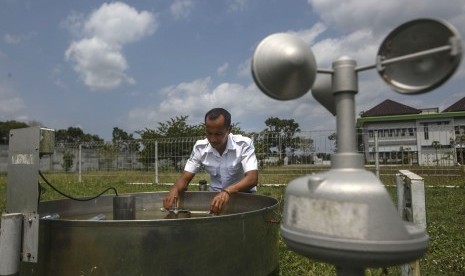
(241,241)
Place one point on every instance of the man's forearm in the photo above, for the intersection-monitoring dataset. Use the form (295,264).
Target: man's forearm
(249,181)
(180,185)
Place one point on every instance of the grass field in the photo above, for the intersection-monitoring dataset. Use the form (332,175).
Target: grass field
(445,217)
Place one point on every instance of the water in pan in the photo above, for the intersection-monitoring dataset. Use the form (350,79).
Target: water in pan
(140,215)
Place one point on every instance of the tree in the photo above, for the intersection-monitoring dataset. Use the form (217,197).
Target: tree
(285,130)
(68,158)
(333,137)
(176,128)
(75,135)
(275,124)
(107,155)
(5,128)
(123,141)
(436,145)
(460,141)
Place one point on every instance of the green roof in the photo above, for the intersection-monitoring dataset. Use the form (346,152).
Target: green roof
(409,117)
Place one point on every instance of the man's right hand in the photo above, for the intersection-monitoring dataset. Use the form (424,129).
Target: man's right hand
(170,199)
(179,186)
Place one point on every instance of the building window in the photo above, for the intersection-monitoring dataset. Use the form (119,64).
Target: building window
(459,130)
(425,130)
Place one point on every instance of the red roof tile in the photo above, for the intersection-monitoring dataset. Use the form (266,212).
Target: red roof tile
(457,106)
(390,107)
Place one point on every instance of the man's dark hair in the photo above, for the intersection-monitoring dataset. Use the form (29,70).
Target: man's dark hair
(217,112)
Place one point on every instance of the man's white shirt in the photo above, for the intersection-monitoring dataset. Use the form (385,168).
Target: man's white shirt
(228,168)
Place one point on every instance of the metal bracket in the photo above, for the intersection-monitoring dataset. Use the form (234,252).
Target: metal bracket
(30,238)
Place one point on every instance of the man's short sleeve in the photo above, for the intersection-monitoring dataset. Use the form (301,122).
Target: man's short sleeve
(193,163)
(249,160)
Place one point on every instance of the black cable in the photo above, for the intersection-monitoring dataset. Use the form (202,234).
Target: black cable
(71,197)
(41,191)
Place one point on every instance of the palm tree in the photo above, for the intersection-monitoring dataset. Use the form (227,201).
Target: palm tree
(436,145)
(460,139)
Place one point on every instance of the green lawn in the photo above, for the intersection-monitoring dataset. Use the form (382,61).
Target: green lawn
(445,218)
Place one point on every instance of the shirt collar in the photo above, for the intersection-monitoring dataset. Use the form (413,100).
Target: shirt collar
(229,146)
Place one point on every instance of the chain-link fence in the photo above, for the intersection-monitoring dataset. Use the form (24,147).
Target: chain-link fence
(168,154)
(282,155)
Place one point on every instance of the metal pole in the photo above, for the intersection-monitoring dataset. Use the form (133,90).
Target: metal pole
(156,162)
(349,271)
(10,243)
(344,88)
(376,153)
(80,163)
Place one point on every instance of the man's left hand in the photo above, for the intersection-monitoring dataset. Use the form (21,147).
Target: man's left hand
(219,202)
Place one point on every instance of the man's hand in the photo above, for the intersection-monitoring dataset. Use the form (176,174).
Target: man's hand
(171,198)
(219,202)
(179,186)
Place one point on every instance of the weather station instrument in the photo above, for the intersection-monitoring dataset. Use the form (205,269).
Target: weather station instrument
(345,216)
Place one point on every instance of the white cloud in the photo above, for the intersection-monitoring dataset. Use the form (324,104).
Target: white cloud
(118,23)
(310,35)
(243,69)
(17,39)
(381,16)
(74,23)
(100,65)
(181,8)
(55,76)
(222,69)
(360,45)
(248,106)
(11,39)
(237,5)
(352,15)
(11,104)
(97,57)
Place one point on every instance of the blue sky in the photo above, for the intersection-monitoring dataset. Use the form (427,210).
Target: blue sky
(98,65)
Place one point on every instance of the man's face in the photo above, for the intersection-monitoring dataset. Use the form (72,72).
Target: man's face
(217,133)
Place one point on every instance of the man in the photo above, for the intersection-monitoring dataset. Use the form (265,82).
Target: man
(229,159)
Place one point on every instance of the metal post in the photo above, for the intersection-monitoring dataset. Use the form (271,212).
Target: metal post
(344,89)
(25,148)
(156,162)
(80,163)
(400,194)
(10,243)
(376,153)
(411,206)
(349,271)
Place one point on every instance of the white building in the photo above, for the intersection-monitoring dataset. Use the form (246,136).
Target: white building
(407,135)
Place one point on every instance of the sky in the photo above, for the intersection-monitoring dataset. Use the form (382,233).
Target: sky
(103,64)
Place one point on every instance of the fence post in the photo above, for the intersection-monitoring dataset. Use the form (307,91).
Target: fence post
(376,153)
(411,207)
(80,163)
(156,162)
